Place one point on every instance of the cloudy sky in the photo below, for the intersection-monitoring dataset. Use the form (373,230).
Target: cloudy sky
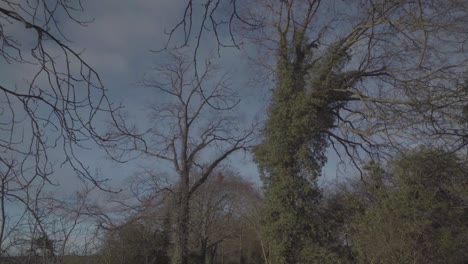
(117,45)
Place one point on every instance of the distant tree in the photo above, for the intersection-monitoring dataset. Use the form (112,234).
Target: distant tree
(219,228)
(219,209)
(137,224)
(135,242)
(44,247)
(421,216)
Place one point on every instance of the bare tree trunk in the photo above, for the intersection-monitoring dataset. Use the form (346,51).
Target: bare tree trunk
(222,253)
(181,244)
(203,250)
(241,253)
(211,257)
(3,216)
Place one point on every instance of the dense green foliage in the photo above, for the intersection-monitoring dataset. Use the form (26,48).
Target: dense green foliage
(292,153)
(284,157)
(419,212)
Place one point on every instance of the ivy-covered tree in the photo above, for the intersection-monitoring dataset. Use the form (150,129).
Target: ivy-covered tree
(292,153)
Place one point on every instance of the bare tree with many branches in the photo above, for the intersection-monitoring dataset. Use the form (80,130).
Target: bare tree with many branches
(59,104)
(52,106)
(195,131)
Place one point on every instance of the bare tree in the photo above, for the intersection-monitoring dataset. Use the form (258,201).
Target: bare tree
(53,108)
(59,102)
(39,225)
(218,211)
(195,131)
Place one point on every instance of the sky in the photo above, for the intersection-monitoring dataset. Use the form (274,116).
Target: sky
(118,44)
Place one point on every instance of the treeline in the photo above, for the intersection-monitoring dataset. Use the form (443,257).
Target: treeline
(412,210)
